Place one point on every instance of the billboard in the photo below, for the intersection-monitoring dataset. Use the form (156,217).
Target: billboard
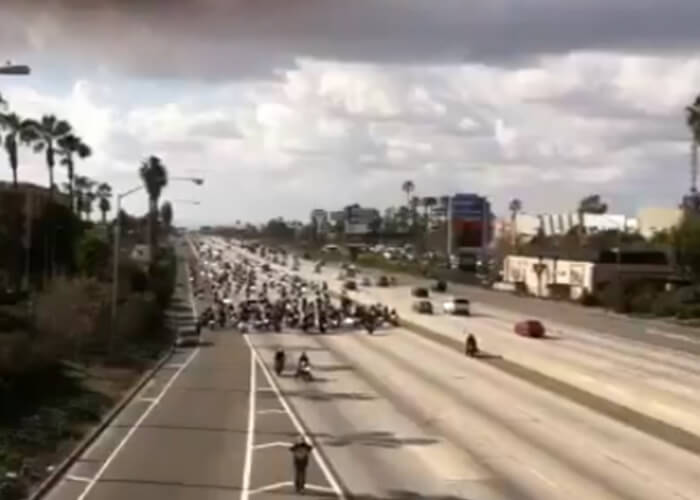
(469,206)
(471,221)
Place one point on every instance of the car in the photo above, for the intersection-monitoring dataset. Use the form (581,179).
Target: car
(366,281)
(350,285)
(382,281)
(457,306)
(420,292)
(440,286)
(530,328)
(423,307)
(187,335)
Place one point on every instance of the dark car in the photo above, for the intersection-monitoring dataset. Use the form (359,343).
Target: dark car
(530,328)
(440,286)
(423,307)
(350,285)
(420,292)
(382,281)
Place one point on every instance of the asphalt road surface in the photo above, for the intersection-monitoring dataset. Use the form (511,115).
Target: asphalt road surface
(474,430)
(393,416)
(655,332)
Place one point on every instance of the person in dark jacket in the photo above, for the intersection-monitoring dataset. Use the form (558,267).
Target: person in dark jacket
(301,450)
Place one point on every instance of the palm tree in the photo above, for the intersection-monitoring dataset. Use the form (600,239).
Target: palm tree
(166,214)
(155,177)
(693,122)
(408,187)
(18,131)
(515,206)
(414,203)
(104,193)
(49,130)
(85,195)
(71,145)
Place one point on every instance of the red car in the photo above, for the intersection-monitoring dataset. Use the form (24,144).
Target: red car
(530,328)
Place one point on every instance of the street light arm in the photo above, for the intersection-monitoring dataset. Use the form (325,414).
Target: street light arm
(130,191)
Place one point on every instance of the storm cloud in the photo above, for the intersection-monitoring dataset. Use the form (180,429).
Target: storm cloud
(219,39)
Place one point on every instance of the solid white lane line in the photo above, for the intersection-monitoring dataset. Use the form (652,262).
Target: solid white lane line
(250,437)
(300,429)
(271,410)
(269,487)
(79,479)
(135,427)
(275,444)
(147,400)
(543,478)
(319,488)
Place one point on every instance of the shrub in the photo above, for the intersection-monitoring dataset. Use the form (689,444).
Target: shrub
(67,315)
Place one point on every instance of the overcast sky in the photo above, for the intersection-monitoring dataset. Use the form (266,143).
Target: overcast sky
(289,105)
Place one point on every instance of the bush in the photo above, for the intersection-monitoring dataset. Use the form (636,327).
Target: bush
(93,255)
(162,281)
(67,315)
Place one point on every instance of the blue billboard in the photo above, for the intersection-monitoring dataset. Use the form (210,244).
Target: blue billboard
(469,206)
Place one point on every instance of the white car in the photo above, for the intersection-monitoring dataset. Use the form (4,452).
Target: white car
(456,306)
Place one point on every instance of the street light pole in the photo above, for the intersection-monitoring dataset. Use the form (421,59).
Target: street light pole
(117,235)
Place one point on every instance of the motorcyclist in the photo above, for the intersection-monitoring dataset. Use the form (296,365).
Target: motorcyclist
(471,347)
(280,357)
(300,453)
(303,360)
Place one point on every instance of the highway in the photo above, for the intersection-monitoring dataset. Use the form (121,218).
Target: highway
(395,415)
(659,381)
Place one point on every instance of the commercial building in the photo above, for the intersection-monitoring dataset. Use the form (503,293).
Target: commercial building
(320,220)
(551,277)
(31,199)
(653,220)
(563,223)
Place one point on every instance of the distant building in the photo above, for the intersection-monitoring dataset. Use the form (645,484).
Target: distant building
(563,223)
(320,220)
(527,227)
(588,273)
(32,199)
(653,220)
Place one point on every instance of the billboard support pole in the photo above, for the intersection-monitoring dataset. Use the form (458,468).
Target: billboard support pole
(449,231)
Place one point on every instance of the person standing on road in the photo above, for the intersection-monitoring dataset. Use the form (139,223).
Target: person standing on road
(300,456)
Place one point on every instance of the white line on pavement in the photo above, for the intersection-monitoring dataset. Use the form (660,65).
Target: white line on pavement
(271,410)
(270,487)
(135,427)
(147,400)
(79,479)
(300,429)
(247,466)
(275,444)
(543,478)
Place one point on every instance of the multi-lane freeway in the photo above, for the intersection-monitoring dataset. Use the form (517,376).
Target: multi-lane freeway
(402,414)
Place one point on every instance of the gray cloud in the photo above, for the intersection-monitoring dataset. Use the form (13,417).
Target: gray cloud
(212,39)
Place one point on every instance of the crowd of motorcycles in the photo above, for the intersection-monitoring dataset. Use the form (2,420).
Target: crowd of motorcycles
(249,295)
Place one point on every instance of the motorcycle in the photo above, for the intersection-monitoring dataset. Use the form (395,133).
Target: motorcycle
(471,349)
(279,364)
(304,372)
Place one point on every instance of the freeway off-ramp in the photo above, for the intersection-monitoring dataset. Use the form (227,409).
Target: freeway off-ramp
(395,416)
